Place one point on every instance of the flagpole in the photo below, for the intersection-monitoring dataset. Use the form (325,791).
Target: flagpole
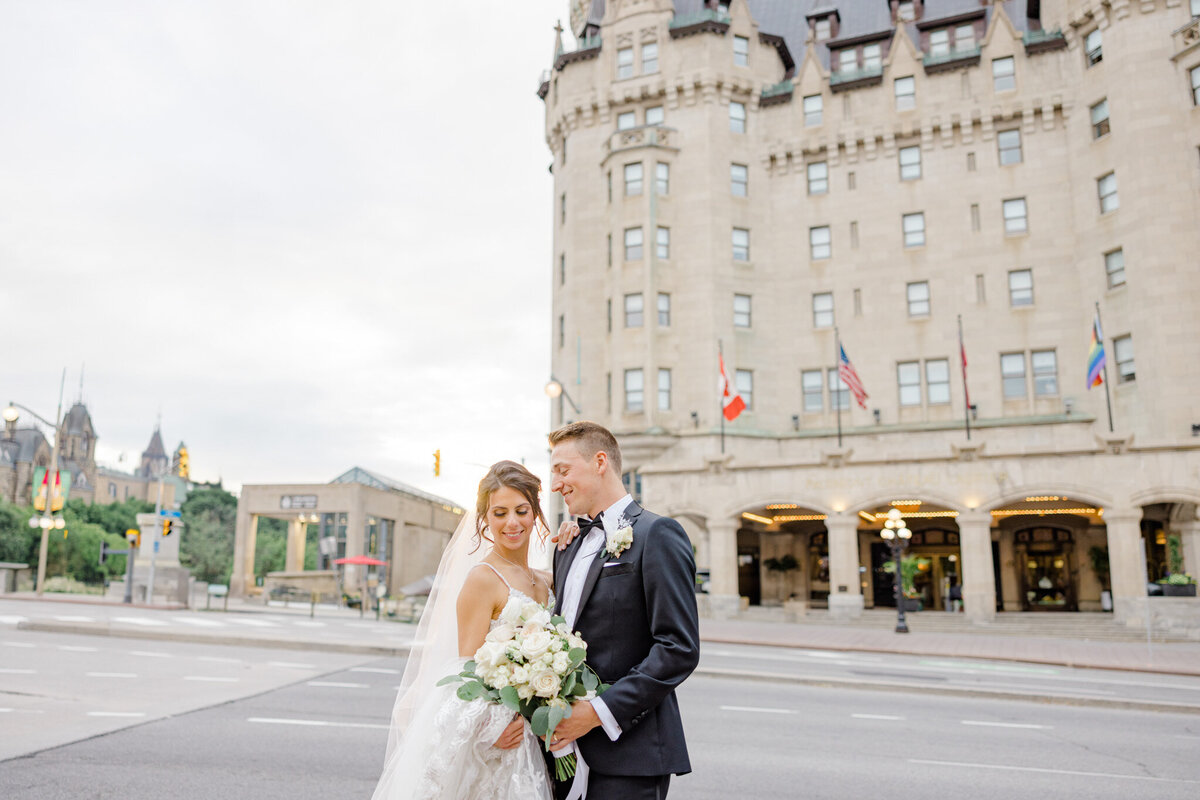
(837,372)
(721,397)
(962,357)
(1107,397)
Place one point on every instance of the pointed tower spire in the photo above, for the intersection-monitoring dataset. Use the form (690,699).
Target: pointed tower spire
(558,45)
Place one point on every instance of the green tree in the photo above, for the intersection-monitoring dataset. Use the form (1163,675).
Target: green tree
(18,542)
(270,554)
(74,552)
(206,545)
(112,517)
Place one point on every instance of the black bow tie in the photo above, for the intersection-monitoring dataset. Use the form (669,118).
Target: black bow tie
(587,526)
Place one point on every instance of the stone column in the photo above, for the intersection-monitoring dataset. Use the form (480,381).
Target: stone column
(845,591)
(723,597)
(294,561)
(978,576)
(1009,585)
(244,541)
(1189,534)
(1126,573)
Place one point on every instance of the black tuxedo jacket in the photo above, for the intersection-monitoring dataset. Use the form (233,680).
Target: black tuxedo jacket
(637,613)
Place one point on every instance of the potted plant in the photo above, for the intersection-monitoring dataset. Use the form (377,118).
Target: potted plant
(909,567)
(1099,558)
(1177,583)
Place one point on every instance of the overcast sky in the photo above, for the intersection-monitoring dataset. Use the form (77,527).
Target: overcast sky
(313,235)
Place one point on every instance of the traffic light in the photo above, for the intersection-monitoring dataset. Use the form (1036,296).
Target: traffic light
(134,537)
(167,523)
(437,463)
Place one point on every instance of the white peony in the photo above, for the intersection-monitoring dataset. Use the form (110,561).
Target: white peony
(545,683)
(490,654)
(561,663)
(499,680)
(502,633)
(529,610)
(512,611)
(536,644)
(525,691)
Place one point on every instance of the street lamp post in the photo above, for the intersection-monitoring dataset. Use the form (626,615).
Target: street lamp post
(556,391)
(896,533)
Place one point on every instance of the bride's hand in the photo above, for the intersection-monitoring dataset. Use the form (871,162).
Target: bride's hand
(566,533)
(512,735)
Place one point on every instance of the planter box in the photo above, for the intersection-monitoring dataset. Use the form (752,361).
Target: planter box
(913,604)
(1173,590)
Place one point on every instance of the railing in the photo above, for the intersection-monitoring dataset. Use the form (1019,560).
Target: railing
(954,55)
(781,88)
(853,75)
(585,44)
(708,15)
(1037,37)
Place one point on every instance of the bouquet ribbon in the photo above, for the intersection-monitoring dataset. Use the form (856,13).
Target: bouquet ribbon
(580,781)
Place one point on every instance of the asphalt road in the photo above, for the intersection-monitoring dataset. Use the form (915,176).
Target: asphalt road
(314,726)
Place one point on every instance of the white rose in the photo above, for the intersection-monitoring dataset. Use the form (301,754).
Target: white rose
(561,663)
(529,610)
(576,641)
(490,654)
(545,683)
(520,675)
(501,633)
(512,612)
(530,628)
(540,617)
(535,644)
(525,691)
(499,680)
(547,658)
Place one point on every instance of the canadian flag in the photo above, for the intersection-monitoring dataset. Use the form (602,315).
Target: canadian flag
(731,402)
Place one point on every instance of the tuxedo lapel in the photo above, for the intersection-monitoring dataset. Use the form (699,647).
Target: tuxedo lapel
(632,511)
(562,567)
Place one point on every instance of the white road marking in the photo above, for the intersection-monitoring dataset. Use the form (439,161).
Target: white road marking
(336,685)
(1050,771)
(72,648)
(317,723)
(111,675)
(209,679)
(364,625)
(290,665)
(1185,736)
(70,618)
(145,622)
(200,623)
(376,670)
(19,644)
(5,710)
(116,713)
(149,654)
(1027,687)
(759,710)
(220,660)
(17,672)
(987,724)
(308,623)
(11,619)
(253,623)
(876,716)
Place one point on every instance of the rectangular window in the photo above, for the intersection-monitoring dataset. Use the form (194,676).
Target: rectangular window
(737,117)
(908,376)
(851,182)
(609,305)
(970,162)
(626,120)
(562,329)
(633,179)
(634,389)
(858,302)
(1195,8)
(853,235)
(905,11)
(1020,287)
(625,63)
(964,38)
(662,243)
(813,106)
(664,309)
(823,28)
(939,42)
(1004,74)
(741,51)
(608,392)
(975,222)
(1106,187)
(1123,353)
(918,299)
(839,392)
(664,390)
(937,381)
(1012,375)
(914,229)
(1114,266)
(820,242)
(1045,372)
(741,244)
(662,177)
(741,311)
(744,380)
(562,213)
(608,176)
(818,177)
(633,310)
(812,389)
(739,179)
(654,115)
(906,93)
(1092,50)
(847,60)
(980,290)
(650,58)
(633,244)
(872,56)
(1100,125)
(910,163)
(1009,145)
(610,249)
(1195,73)
(1016,219)
(822,305)
(562,268)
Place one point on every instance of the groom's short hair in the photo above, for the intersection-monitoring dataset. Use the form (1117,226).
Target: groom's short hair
(590,438)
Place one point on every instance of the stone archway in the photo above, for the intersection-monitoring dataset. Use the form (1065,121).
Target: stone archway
(778,558)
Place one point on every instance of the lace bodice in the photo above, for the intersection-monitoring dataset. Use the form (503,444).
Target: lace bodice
(513,591)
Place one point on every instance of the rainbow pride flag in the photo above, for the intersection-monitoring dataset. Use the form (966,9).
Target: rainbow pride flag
(1095,375)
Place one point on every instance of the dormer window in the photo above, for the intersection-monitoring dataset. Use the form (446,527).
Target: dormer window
(824,24)
(905,11)
(822,29)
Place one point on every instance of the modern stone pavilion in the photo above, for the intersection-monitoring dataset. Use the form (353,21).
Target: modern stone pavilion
(773,175)
(361,513)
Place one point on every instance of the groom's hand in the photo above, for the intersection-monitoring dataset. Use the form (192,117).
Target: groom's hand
(583,718)
(566,534)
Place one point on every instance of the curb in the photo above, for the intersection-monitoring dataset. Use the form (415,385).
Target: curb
(833,682)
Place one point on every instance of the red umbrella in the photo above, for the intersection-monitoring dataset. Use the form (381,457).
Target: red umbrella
(362,561)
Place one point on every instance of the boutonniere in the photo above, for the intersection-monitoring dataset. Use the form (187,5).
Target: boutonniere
(619,540)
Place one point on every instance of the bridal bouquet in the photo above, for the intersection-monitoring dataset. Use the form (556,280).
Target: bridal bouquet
(532,663)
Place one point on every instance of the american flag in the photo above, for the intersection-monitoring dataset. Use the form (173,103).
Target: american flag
(850,377)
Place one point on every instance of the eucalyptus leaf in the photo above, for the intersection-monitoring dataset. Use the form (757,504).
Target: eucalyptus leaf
(556,716)
(470,690)
(508,696)
(557,620)
(590,681)
(540,720)
(449,679)
(569,684)
(577,655)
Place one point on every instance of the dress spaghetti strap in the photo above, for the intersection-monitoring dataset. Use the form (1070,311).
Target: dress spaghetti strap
(498,575)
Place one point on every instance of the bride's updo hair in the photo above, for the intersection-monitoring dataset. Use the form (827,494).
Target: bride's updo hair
(512,475)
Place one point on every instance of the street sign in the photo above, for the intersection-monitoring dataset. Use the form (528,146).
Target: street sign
(170,513)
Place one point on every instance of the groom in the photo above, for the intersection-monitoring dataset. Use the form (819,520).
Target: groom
(633,600)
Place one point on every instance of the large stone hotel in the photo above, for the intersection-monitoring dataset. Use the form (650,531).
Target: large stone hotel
(766,178)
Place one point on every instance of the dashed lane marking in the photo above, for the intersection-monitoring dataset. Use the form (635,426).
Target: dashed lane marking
(316,723)
(759,710)
(209,679)
(290,665)
(376,670)
(987,724)
(200,623)
(220,660)
(1014,768)
(149,654)
(74,648)
(17,672)
(111,674)
(18,644)
(145,622)
(116,713)
(74,618)
(337,685)
(877,716)
(11,619)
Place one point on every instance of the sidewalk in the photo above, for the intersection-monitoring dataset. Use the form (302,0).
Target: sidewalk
(253,624)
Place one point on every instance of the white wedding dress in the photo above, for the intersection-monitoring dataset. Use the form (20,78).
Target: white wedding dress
(441,747)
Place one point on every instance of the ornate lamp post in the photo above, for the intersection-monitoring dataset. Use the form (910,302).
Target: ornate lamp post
(47,520)
(556,391)
(896,533)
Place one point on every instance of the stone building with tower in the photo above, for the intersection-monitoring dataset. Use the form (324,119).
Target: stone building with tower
(773,176)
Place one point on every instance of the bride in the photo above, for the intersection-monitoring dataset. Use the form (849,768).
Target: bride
(441,747)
